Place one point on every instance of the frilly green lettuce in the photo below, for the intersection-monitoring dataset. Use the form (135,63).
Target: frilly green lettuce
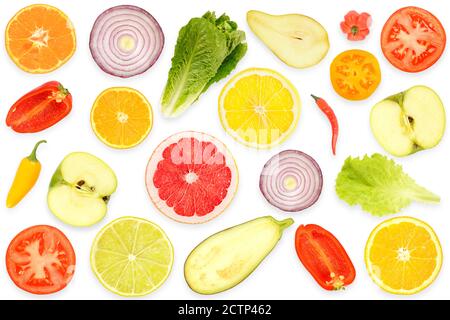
(379,185)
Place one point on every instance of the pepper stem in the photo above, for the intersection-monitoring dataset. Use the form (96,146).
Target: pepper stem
(355,30)
(61,94)
(32,156)
(63,90)
(315,97)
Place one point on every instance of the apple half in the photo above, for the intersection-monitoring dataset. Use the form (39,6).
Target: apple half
(80,189)
(298,40)
(408,122)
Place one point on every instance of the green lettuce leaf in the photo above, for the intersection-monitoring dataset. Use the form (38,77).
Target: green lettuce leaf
(207,50)
(379,185)
(228,65)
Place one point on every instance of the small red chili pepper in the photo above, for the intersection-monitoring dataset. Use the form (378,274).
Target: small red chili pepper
(323,105)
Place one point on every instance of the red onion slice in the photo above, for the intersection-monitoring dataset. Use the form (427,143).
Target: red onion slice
(291,181)
(126,41)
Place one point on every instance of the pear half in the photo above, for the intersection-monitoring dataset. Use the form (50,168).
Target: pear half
(409,121)
(298,40)
(80,189)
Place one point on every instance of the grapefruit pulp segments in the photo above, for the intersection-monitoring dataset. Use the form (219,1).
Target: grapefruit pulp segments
(191,177)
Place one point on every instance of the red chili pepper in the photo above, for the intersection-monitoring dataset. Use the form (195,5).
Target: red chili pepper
(324,106)
(324,257)
(40,108)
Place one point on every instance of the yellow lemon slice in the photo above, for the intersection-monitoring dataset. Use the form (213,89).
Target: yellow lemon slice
(259,108)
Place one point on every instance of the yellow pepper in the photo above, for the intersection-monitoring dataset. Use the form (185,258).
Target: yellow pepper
(25,179)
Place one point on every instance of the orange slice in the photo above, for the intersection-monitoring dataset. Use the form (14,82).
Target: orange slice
(40,38)
(403,255)
(121,117)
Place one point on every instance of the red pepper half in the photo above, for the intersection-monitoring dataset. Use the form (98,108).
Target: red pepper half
(323,105)
(324,257)
(40,109)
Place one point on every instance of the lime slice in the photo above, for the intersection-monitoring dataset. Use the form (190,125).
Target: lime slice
(131,256)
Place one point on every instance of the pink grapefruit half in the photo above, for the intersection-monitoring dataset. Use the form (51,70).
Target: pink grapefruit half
(191,177)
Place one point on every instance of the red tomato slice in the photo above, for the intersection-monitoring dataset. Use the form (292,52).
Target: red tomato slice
(324,257)
(413,39)
(40,109)
(40,260)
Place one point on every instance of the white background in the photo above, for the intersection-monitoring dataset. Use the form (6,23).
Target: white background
(280,276)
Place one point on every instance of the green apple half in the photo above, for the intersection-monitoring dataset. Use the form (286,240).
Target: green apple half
(80,189)
(298,40)
(410,121)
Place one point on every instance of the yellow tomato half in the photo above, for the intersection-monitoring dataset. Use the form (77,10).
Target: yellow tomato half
(355,74)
